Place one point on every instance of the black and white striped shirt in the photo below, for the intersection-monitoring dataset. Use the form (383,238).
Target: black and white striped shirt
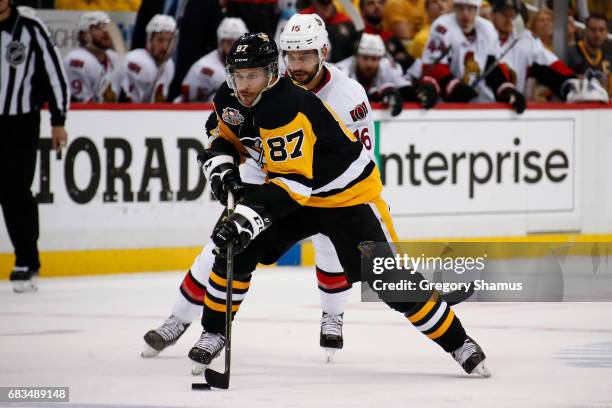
(31,71)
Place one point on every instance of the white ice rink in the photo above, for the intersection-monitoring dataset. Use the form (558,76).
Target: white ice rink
(86,333)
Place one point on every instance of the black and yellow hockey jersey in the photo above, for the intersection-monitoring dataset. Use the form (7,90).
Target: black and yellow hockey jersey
(309,156)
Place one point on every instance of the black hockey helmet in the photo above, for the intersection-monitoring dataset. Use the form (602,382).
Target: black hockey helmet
(252,50)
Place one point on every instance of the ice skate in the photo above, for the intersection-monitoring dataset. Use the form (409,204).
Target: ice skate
(164,336)
(205,351)
(471,358)
(331,334)
(24,279)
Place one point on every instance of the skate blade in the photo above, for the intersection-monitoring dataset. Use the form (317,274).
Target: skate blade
(25,286)
(482,370)
(197,368)
(149,352)
(329,355)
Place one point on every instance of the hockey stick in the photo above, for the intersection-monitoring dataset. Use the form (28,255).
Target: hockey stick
(519,26)
(214,378)
(353,13)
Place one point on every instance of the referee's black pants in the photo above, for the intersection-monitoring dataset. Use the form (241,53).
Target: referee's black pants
(18,144)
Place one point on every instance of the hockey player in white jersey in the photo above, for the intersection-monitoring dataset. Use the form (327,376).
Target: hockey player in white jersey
(208,73)
(146,73)
(349,100)
(90,68)
(461,48)
(382,78)
(526,55)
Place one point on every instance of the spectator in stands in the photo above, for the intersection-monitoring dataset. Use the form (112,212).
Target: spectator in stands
(589,58)
(208,73)
(434,8)
(107,5)
(91,66)
(342,33)
(146,73)
(382,78)
(405,18)
(372,12)
(526,55)
(541,25)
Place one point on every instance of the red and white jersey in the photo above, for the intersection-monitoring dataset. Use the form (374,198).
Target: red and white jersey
(204,78)
(466,58)
(348,100)
(389,74)
(138,72)
(527,51)
(91,80)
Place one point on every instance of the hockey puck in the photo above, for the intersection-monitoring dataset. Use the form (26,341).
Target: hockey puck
(200,386)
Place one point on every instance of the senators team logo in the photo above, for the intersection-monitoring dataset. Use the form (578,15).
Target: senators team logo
(360,112)
(232,116)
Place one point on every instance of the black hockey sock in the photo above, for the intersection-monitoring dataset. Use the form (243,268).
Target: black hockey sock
(213,316)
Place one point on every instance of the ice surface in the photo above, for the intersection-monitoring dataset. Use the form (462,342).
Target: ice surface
(86,333)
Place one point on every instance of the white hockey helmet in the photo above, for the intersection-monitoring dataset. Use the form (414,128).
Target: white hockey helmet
(160,23)
(371,45)
(304,32)
(476,3)
(90,19)
(231,28)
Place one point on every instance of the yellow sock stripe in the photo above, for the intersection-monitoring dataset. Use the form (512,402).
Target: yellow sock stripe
(442,329)
(425,309)
(217,307)
(223,282)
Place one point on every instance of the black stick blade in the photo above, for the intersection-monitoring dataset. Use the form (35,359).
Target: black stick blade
(216,379)
(200,386)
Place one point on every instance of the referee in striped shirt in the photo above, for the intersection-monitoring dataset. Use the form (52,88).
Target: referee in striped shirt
(31,73)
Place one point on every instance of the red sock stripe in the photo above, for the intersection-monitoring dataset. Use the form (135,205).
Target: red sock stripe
(193,289)
(331,281)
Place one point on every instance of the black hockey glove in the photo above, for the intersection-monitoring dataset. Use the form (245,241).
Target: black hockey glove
(211,123)
(514,98)
(240,228)
(393,99)
(222,174)
(427,95)
(462,92)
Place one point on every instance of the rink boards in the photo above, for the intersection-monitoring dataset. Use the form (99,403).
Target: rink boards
(127,194)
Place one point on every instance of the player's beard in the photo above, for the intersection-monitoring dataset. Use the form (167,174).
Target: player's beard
(101,44)
(374,20)
(308,79)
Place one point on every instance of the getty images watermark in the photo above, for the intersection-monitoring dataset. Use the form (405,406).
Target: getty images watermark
(487,271)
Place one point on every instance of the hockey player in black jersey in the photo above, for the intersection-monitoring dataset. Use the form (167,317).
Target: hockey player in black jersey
(320,179)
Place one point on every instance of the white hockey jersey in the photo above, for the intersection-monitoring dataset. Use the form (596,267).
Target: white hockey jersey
(466,59)
(348,100)
(389,74)
(203,78)
(89,79)
(138,74)
(527,51)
